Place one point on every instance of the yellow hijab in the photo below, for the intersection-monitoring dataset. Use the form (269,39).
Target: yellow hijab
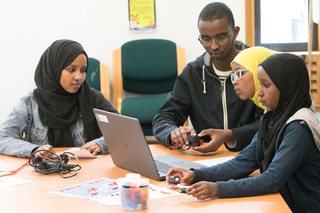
(250,59)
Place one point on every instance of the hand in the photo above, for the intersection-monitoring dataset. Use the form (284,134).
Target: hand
(179,136)
(187,176)
(204,190)
(92,147)
(218,137)
(44,153)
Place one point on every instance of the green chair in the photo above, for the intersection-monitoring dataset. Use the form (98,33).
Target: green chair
(144,71)
(98,77)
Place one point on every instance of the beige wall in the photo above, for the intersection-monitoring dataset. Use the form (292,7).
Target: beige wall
(29,27)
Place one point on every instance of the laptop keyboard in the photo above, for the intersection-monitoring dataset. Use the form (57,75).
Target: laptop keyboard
(163,168)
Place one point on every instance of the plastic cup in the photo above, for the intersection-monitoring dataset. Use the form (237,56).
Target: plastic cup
(134,192)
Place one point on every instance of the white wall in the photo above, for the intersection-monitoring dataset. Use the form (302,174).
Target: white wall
(27,28)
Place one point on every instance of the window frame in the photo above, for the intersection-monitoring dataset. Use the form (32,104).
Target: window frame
(253,32)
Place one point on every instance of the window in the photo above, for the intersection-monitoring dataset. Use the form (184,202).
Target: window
(282,25)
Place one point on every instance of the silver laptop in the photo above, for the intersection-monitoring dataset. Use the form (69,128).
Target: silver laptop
(129,149)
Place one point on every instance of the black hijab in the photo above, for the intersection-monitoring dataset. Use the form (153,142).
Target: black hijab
(290,75)
(58,109)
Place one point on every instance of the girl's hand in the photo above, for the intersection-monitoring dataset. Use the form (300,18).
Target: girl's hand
(204,190)
(92,147)
(44,153)
(187,176)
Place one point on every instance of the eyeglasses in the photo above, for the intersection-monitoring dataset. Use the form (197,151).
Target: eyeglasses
(219,39)
(237,75)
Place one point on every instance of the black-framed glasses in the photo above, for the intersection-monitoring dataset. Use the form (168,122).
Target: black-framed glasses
(237,75)
(219,39)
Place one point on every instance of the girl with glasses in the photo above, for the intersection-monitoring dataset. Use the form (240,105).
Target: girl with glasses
(244,72)
(285,149)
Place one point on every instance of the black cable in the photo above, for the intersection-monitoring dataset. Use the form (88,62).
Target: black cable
(44,165)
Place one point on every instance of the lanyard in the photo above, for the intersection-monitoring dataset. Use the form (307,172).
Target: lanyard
(14,171)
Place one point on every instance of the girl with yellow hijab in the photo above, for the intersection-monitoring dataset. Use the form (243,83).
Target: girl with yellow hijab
(244,72)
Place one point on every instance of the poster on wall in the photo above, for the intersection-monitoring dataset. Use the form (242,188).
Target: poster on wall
(142,14)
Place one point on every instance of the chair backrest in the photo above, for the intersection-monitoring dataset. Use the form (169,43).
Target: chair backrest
(98,77)
(146,69)
(146,66)
(149,66)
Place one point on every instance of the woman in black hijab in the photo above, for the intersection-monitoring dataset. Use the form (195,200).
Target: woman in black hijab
(285,149)
(59,111)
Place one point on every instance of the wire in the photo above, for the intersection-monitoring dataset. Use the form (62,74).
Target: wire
(44,165)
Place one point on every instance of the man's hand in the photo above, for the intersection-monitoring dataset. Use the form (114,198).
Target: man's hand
(92,147)
(179,136)
(218,137)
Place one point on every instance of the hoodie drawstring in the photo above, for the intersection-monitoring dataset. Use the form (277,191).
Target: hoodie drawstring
(204,81)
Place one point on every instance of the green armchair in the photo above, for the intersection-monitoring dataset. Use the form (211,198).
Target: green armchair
(98,77)
(144,71)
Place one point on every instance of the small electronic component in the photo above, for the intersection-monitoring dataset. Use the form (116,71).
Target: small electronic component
(174,179)
(182,188)
(194,140)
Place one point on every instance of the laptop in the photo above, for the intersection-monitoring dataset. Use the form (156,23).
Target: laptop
(129,149)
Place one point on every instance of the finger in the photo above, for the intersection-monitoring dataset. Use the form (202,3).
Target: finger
(205,132)
(42,154)
(176,171)
(91,149)
(96,150)
(212,146)
(168,174)
(184,135)
(173,171)
(86,146)
(174,136)
(193,132)
(48,154)
(199,194)
(50,148)
(202,149)
(196,190)
(191,192)
(179,137)
(37,155)
(201,197)
(192,188)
